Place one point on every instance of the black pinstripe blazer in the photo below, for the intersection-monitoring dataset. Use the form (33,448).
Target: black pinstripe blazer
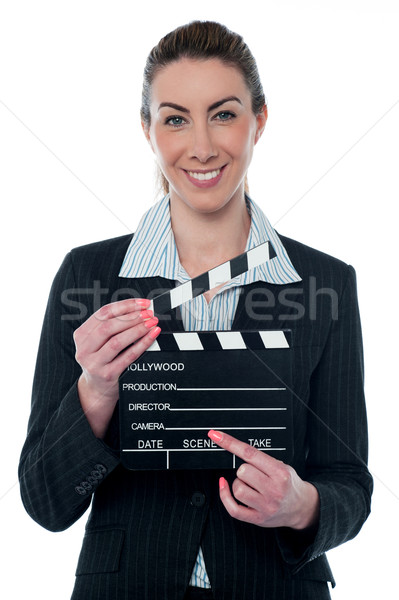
(144,528)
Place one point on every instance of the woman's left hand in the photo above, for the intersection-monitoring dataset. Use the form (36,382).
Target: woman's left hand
(271,492)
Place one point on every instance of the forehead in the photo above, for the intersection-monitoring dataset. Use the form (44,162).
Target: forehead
(188,80)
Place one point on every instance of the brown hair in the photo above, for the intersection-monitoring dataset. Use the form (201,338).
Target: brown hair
(201,40)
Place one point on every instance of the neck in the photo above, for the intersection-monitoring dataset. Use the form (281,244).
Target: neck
(205,240)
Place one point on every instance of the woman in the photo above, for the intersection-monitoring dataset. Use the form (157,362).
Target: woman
(259,532)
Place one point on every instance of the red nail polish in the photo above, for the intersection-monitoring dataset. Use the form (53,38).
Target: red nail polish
(146,314)
(222,483)
(216,436)
(151,322)
(155,332)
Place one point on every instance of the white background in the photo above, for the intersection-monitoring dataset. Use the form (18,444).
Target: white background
(75,168)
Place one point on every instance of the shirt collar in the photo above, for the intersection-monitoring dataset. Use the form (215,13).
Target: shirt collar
(153,252)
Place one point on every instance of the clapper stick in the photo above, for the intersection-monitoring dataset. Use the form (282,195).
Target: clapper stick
(212,278)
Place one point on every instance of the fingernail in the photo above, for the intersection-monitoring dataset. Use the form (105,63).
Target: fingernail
(216,436)
(151,322)
(155,332)
(146,314)
(240,470)
(222,483)
(143,302)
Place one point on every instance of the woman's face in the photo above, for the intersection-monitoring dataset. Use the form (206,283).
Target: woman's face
(203,132)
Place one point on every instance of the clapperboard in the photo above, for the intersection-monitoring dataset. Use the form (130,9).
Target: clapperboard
(190,382)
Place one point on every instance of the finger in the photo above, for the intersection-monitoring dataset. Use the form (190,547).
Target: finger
(120,342)
(267,484)
(251,495)
(245,493)
(121,309)
(266,463)
(98,333)
(238,511)
(131,354)
(252,476)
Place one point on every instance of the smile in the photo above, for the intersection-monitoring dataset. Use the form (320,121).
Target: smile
(205,179)
(204,176)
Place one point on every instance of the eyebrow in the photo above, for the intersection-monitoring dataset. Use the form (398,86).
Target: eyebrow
(211,107)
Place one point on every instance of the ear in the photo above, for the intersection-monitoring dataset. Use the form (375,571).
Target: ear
(146,130)
(261,119)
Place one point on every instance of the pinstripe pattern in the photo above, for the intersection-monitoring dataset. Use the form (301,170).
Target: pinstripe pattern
(144,532)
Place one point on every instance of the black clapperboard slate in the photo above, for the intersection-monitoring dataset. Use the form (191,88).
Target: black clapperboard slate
(188,383)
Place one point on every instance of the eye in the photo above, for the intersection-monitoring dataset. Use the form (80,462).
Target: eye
(175,121)
(225,115)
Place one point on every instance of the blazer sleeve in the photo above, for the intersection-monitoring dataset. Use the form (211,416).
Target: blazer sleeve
(62,462)
(337,441)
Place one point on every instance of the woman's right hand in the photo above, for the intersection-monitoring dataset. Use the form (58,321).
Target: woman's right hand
(106,344)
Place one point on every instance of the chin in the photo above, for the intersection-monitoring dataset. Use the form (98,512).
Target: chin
(207,206)
(206,201)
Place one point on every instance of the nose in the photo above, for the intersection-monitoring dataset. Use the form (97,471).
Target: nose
(202,145)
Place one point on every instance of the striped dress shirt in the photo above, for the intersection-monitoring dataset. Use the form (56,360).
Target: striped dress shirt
(153,252)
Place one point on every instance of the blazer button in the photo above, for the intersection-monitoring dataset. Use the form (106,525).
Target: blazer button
(86,485)
(198,499)
(101,468)
(96,474)
(80,490)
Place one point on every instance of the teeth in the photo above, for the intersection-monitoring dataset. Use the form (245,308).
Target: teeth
(204,176)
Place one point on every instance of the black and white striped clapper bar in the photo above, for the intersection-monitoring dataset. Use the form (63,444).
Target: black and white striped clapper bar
(190,382)
(211,279)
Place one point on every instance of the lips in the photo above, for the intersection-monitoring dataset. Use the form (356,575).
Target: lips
(205,179)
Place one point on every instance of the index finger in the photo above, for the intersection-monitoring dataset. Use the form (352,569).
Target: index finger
(246,452)
(121,308)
